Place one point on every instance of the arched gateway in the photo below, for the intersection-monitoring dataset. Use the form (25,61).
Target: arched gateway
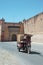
(14,37)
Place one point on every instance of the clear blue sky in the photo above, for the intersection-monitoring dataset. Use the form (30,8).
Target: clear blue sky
(17,10)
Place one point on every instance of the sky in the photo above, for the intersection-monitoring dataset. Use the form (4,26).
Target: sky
(18,10)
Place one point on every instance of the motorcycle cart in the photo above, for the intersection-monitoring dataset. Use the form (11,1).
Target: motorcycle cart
(24,44)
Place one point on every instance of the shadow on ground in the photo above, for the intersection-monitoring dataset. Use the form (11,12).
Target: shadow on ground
(34,52)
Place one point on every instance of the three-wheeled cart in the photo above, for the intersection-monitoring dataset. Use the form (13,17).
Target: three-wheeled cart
(24,43)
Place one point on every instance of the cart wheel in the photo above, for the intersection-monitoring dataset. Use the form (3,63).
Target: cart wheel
(26,49)
(29,50)
(19,49)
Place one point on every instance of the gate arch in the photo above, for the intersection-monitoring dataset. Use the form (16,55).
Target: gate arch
(14,37)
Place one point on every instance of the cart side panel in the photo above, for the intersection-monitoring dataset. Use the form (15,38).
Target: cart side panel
(19,37)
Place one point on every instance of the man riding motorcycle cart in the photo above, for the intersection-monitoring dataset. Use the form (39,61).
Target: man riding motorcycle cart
(25,43)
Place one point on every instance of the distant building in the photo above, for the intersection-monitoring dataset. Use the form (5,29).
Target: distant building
(9,31)
(34,26)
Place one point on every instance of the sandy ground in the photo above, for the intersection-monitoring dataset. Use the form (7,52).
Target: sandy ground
(7,59)
(9,54)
